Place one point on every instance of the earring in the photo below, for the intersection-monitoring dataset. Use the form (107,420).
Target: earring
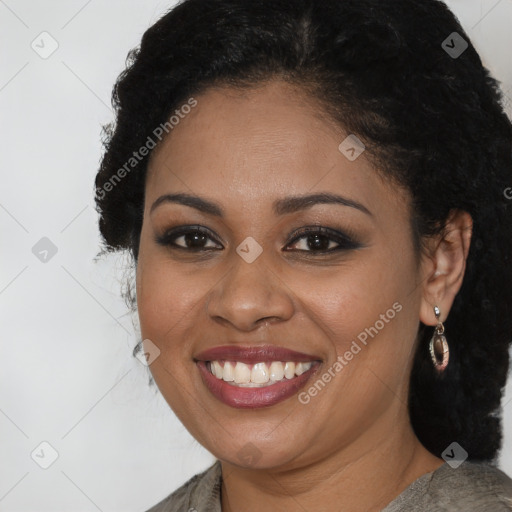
(439,351)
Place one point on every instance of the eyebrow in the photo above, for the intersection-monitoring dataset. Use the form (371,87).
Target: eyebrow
(283,206)
(196,202)
(296,203)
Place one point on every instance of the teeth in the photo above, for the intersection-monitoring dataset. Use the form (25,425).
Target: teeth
(276,371)
(228,372)
(300,368)
(217,369)
(260,374)
(242,373)
(289,370)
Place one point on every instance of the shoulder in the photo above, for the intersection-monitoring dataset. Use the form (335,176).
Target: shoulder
(471,487)
(200,493)
(480,485)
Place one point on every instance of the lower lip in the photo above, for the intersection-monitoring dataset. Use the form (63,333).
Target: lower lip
(252,398)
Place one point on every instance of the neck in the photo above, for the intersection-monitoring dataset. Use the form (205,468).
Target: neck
(364,476)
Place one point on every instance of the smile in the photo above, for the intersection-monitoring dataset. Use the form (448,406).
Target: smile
(256,375)
(253,377)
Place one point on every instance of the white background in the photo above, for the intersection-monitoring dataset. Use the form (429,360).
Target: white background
(67,376)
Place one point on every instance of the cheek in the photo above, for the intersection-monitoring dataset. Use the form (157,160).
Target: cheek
(165,297)
(367,312)
(166,301)
(369,318)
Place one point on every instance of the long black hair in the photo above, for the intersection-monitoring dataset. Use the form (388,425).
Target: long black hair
(404,77)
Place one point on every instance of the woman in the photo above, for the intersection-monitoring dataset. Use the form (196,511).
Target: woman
(313,196)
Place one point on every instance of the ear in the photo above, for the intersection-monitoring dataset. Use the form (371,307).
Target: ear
(444,265)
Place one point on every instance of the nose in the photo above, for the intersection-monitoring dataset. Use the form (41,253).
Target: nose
(248,295)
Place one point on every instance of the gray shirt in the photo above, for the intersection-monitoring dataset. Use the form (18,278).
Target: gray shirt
(471,487)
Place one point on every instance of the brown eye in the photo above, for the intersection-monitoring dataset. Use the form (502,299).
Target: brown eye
(321,240)
(189,238)
(193,240)
(315,243)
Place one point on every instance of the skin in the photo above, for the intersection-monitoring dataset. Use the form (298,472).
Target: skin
(352,445)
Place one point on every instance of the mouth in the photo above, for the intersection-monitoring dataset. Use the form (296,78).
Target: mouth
(252,377)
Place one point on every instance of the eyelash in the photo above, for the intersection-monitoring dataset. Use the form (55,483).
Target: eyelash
(345,241)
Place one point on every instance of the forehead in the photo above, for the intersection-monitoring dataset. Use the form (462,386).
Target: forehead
(261,144)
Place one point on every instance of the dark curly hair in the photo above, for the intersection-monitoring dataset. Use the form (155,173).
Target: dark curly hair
(432,122)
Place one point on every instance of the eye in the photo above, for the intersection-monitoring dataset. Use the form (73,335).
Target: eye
(321,240)
(190,238)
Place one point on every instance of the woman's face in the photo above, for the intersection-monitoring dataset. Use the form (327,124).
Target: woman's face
(261,284)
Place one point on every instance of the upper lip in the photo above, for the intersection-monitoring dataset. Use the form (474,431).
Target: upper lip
(253,354)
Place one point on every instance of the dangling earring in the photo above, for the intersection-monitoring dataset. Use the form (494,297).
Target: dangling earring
(439,351)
